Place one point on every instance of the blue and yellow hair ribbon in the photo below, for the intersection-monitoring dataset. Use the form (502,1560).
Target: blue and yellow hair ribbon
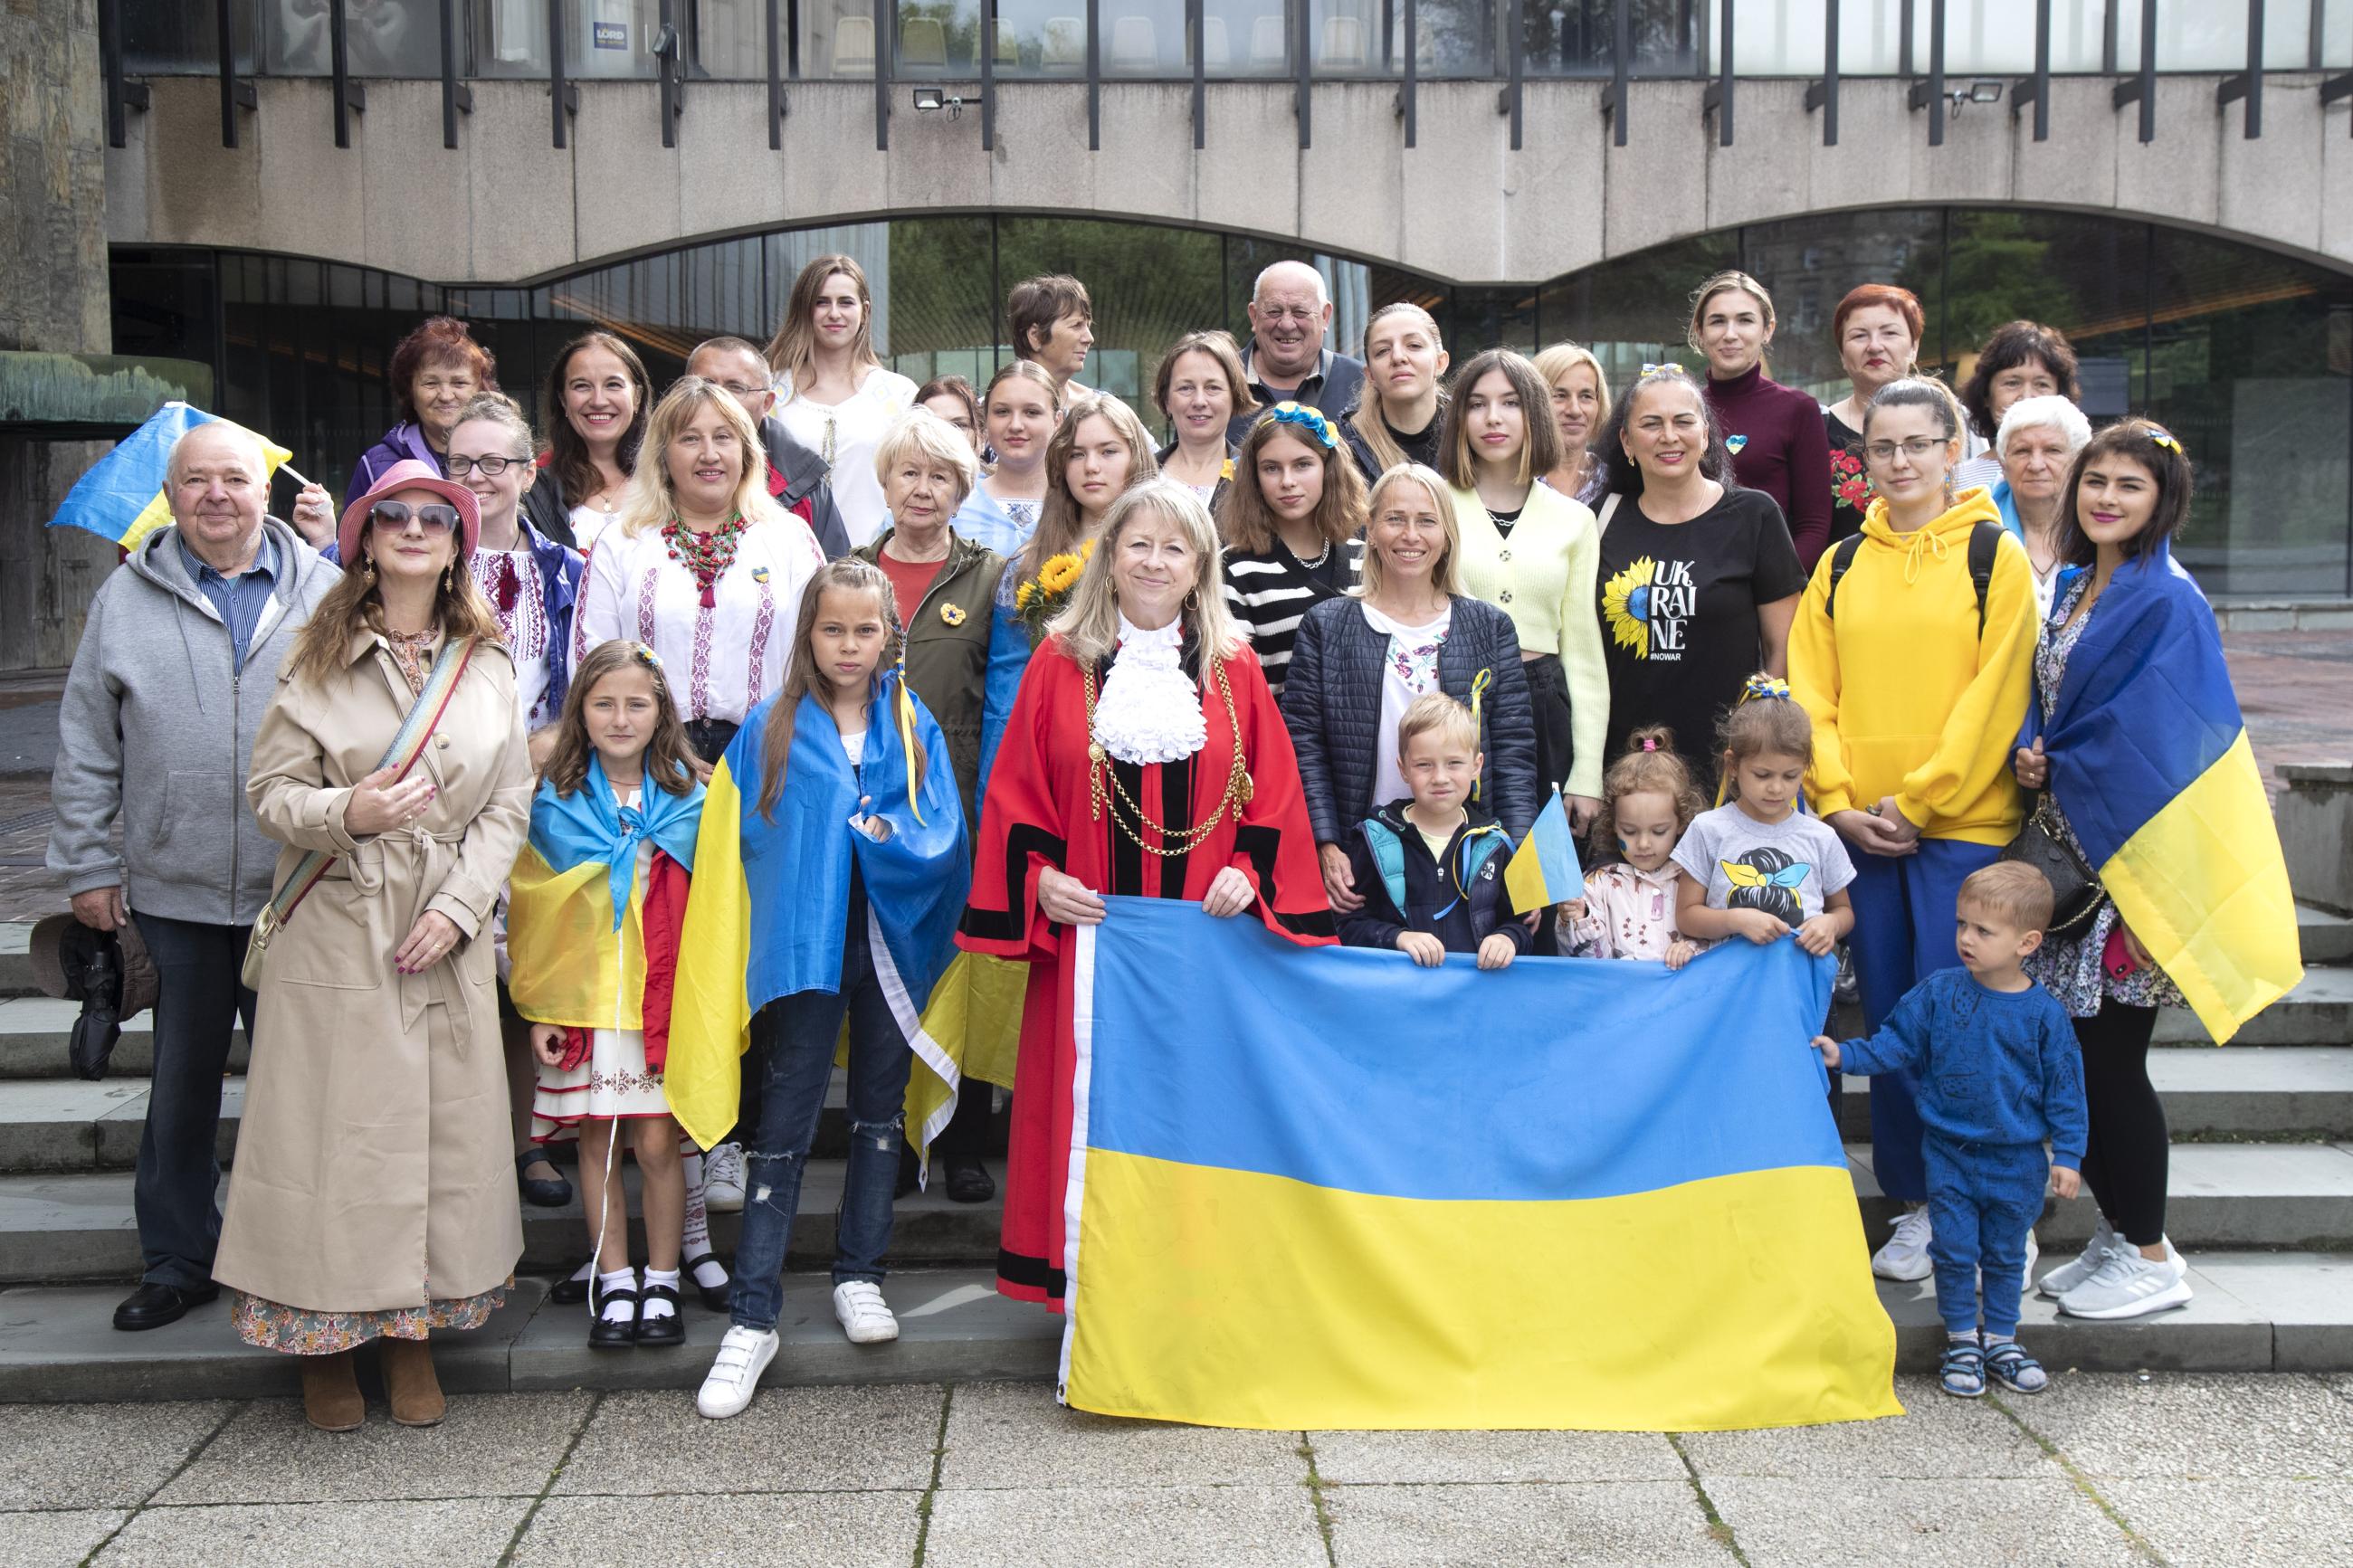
(1479,685)
(904,703)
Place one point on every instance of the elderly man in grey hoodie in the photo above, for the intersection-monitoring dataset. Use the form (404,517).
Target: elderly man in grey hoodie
(178,660)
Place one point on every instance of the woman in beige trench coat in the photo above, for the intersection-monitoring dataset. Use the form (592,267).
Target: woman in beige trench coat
(374,1192)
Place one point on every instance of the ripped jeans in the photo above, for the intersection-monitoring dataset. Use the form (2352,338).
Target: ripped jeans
(798,1033)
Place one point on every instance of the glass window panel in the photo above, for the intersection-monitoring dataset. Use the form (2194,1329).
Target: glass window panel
(1145,37)
(2336,34)
(167,303)
(1244,38)
(1453,37)
(2087,277)
(1786,38)
(2212,35)
(1997,35)
(511,38)
(838,37)
(939,37)
(728,40)
(1809,263)
(381,38)
(611,37)
(2248,365)
(1150,286)
(167,37)
(1345,37)
(1631,311)
(1043,37)
(1579,37)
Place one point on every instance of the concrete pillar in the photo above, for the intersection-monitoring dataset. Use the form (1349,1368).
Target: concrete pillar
(53,297)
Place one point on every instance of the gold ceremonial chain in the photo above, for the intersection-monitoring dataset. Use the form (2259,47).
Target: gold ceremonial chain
(1238,794)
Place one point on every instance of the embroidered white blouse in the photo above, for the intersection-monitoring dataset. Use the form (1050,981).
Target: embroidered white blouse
(721,660)
(847,435)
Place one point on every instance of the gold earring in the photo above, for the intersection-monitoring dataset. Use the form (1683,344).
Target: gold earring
(367,567)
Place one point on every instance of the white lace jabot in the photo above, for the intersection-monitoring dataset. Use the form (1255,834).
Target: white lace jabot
(1149,711)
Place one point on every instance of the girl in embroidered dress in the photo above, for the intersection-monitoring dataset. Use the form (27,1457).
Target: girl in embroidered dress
(592,930)
(1629,908)
(1143,757)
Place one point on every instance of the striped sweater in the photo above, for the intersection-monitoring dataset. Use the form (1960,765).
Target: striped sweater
(1269,593)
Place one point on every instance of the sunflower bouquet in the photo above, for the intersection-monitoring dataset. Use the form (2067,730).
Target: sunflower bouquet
(1037,601)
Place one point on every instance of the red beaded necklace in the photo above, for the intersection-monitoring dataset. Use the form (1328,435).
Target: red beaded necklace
(705,555)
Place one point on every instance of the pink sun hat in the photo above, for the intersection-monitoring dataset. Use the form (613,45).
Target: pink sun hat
(409,474)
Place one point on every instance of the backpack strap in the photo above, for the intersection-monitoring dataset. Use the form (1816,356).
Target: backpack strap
(1985,543)
(1842,556)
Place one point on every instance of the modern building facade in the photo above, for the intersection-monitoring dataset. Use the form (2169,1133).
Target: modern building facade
(2170,182)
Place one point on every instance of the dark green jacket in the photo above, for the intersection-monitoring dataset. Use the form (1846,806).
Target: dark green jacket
(947,651)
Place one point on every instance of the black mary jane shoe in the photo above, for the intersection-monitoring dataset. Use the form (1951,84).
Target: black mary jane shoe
(609,1334)
(153,1305)
(662,1328)
(572,1288)
(970,1182)
(715,1297)
(541,1192)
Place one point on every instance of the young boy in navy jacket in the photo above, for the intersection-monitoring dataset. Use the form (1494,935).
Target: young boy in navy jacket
(1430,867)
(1994,1060)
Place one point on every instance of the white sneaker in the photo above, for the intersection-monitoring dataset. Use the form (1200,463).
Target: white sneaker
(2127,1285)
(743,1355)
(2026,1277)
(1906,1256)
(723,1179)
(2067,1276)
(864,1316)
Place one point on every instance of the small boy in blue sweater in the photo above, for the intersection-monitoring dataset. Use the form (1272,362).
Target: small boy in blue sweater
(1998,1070)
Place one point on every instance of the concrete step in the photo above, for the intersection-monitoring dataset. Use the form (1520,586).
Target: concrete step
(16,968)
(2318,1012)
(2326,936)
(33,1031)
(78,1226)
(2253,1311)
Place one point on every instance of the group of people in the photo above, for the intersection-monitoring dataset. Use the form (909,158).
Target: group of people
(883,687)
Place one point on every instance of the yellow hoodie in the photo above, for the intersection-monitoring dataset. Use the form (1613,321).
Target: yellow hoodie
(1907,699)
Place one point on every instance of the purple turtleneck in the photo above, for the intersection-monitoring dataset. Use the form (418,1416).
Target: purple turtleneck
(1779,447)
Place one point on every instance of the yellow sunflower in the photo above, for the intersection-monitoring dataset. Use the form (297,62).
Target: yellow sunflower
(1058,573)
(1626,605)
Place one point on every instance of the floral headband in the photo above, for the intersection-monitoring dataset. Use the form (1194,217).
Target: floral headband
(1669,368)
(1298,414)
(645,656)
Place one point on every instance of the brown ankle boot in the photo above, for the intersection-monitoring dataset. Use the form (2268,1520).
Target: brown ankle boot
(409,1386)
(330,1396)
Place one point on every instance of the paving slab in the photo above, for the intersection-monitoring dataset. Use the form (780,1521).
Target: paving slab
(2174,1424)
(1167,1527)
(59,1535)
(2317,1012)
(799,1439)
(1015,1436)
(2262,1522)
(953,1326)
(839,1529)
(2307,1296)
(1391,1458)
(1597,1524)
(490,1445)
(469,1532)
(60,1345)
(97,1455)
(1936,1436)
(1833,1519)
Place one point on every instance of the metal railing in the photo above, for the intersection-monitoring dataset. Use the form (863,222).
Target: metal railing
(1504,57)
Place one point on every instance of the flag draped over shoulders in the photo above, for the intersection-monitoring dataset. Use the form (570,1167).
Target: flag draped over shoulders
(771,901)
(2151,765)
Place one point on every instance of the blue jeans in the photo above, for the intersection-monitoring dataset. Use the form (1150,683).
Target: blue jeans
(1904,923)
(797,1035)
(1982,1200)
(198,1000)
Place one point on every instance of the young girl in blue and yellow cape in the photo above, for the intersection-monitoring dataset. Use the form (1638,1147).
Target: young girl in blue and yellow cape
(831,874)
(597,903)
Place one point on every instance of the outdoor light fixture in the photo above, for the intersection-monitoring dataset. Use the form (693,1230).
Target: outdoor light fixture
(930,98)
(1982,90)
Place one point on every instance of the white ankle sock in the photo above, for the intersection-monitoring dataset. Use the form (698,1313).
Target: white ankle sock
(608,1308)
(656,1307)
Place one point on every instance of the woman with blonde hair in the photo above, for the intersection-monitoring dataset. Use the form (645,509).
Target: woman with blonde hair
(1774,432)
(1293,526)
(373,1195)
(1580,408)
(1362,659)
(1532,551)
(832,393)
(704,566)
(1144,743)
(1400,415)
(1019,413)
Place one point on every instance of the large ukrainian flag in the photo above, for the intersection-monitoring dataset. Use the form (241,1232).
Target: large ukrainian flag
(1323,1188)
(123,497)
(2150,762)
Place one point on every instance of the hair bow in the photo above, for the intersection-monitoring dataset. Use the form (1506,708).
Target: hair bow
(645,656)
(1765,686)
(2162,437)
(1297,413)
(1670,368)
(1650,743)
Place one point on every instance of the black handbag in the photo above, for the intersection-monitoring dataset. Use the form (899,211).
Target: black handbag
(2076,891)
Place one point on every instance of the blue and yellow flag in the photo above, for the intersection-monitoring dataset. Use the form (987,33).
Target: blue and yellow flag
(122,498)
(2149,761)
(1325,1188)
(1544,869)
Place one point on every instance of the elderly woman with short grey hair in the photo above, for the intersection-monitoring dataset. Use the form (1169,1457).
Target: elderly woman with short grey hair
(2036,445)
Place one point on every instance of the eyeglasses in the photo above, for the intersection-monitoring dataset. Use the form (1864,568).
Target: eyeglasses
(432,517)
(1915,448)
(490,468)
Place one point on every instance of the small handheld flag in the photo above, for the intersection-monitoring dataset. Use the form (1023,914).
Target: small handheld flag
(123,497)
(1544,869)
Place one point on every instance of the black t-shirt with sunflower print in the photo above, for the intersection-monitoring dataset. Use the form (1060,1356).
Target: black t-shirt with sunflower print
(1679,622)
(1850,487)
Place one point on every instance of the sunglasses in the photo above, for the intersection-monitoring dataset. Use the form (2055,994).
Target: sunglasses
(432,517)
